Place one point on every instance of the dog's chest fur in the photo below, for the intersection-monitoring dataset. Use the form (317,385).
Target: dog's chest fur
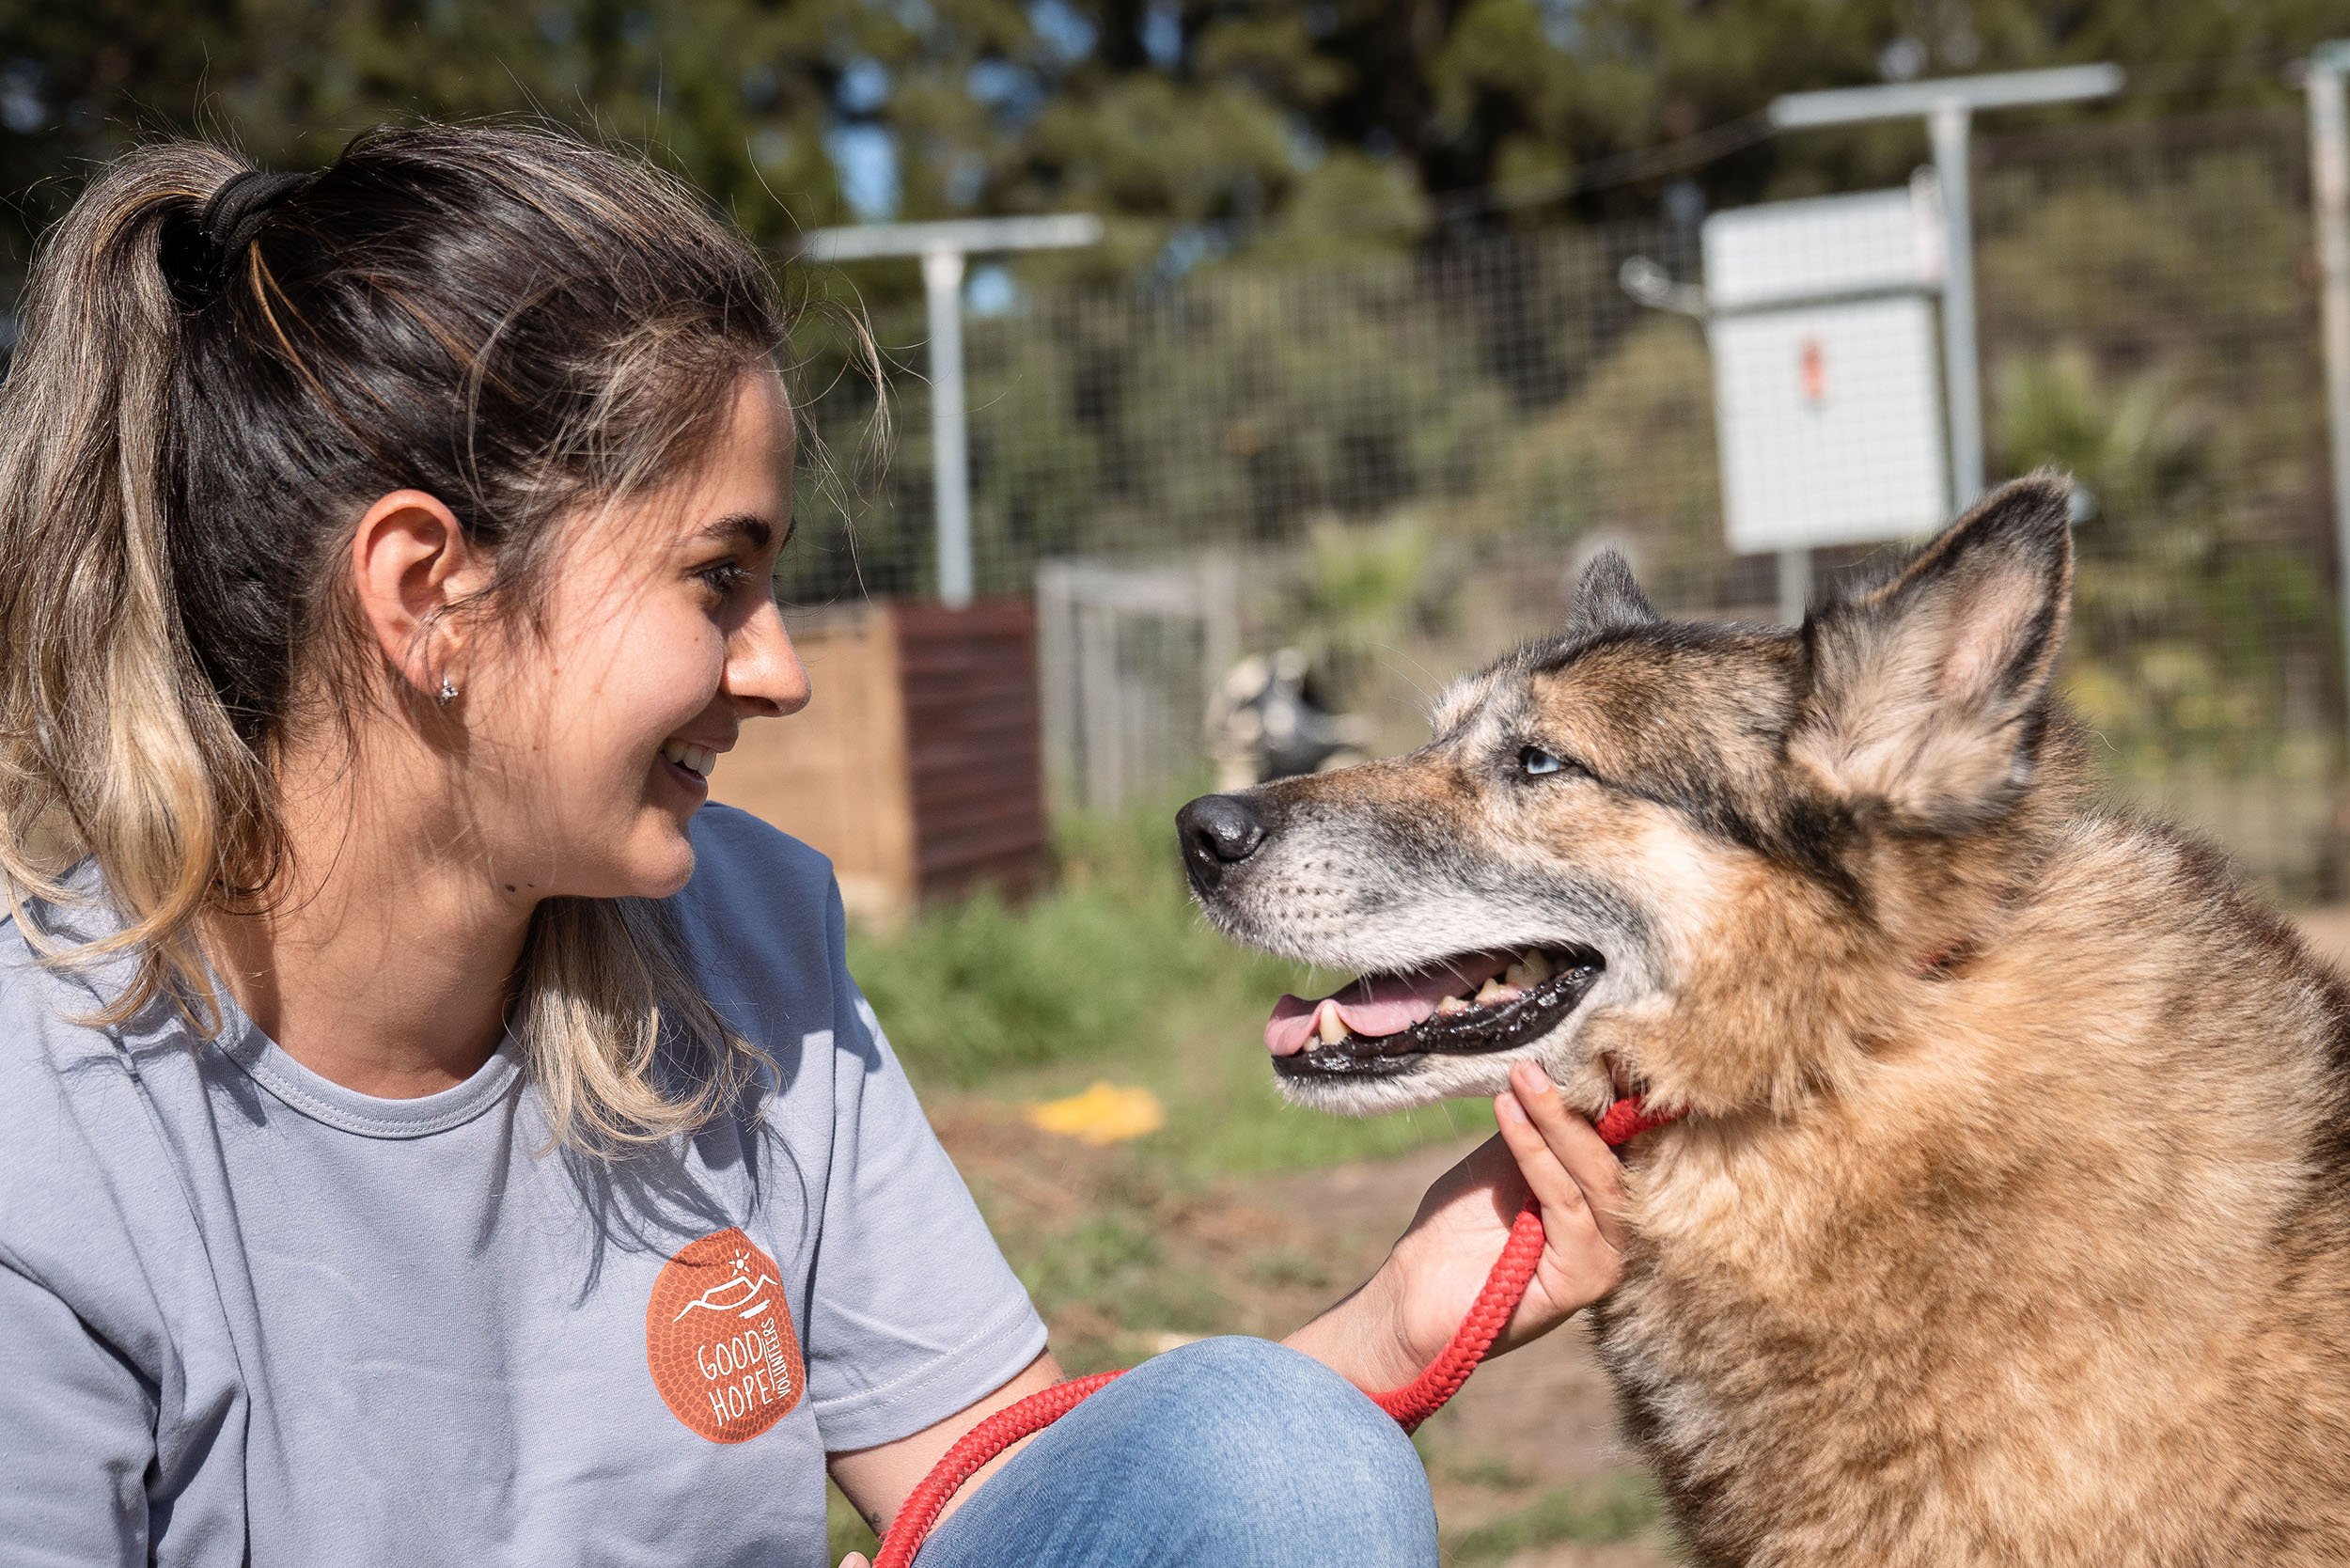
(2046,1285)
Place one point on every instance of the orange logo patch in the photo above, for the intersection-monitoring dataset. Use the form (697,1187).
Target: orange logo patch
(718,1339)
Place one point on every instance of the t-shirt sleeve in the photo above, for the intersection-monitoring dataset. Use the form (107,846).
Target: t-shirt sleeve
(914,1314)
(76,1435)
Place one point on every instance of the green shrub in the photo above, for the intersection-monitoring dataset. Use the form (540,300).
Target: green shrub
(1113,964)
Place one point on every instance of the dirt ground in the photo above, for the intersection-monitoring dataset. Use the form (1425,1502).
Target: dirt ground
(1524,1435)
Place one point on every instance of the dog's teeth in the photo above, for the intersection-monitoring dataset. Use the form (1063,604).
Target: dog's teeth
(1493,991)
(1531,969)
(1453,1004)
(1328,1025)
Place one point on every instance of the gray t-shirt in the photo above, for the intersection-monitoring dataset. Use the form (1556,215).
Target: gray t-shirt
(247,1315)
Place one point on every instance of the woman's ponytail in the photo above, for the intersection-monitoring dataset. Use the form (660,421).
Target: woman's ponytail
(113,744)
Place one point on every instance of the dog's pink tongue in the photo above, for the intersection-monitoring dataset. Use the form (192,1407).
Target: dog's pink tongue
(1291,1026)
(1381,1004)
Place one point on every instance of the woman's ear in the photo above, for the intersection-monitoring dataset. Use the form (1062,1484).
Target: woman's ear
(410,562)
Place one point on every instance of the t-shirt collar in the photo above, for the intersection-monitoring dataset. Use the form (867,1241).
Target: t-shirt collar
(322,1098)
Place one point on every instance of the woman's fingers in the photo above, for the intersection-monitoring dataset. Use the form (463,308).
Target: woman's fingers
(1561,1198)
(1563,1160)
(856,1560)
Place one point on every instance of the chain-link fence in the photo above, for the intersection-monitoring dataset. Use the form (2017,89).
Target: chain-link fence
(2151,323)
(1411,455)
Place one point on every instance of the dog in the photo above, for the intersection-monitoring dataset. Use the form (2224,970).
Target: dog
(2007,1216)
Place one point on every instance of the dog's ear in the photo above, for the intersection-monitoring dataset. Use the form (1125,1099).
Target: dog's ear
(1929,695)
(1606,599)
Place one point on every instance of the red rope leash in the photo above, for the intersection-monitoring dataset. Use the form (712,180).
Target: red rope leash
(1505,1287)
(1411,1404)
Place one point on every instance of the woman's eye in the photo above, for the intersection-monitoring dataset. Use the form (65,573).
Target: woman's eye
(724,578)
(1534,760)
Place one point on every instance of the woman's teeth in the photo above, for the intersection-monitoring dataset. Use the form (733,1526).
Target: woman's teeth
(695,759)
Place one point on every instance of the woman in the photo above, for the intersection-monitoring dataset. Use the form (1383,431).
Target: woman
(429,1133)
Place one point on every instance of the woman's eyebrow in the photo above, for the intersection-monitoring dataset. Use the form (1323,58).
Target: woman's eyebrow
(741,527)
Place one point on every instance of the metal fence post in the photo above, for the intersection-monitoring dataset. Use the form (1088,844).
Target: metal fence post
(950,472)
(942,247)
(1057,682)
(1960,378)
(1795,586)
(2329,177)
(1948,105)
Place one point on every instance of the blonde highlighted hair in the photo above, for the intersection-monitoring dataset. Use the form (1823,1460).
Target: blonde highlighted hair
(520,323)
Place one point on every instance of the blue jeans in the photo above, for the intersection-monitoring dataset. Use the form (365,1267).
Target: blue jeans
(1228,1454)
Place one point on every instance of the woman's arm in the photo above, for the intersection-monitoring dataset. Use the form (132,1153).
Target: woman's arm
(877,1481)
(77,1435)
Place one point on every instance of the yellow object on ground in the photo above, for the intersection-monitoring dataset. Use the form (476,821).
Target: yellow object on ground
(1105,1113)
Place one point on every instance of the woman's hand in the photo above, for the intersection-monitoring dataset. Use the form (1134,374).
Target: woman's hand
(1385,1334)
(1442,1259)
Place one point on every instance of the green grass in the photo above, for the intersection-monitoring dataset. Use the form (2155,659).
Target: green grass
(1114,974)
(1108,964)
(1113,1266)
(1616,1509)
(845,1529)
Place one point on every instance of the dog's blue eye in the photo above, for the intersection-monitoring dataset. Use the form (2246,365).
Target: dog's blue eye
(1534,760)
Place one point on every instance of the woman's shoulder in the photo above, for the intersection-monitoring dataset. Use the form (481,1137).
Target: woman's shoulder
(71,1084)
(72,1135)
(761,910)
(42,1000)
(742,866)
(740,840)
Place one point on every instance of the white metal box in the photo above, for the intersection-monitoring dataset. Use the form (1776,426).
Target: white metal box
(1827,383)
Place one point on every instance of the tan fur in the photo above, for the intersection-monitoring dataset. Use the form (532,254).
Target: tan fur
(2010,1222)
(2040,1281)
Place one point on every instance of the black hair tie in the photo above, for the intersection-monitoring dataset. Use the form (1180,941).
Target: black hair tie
(235,214)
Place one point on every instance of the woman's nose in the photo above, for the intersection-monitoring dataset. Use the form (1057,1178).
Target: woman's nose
(764,675)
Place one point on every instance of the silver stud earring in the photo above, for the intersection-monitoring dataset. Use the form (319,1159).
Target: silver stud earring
(448,694)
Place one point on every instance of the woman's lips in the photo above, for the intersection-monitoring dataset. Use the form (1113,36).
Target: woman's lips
(688,764)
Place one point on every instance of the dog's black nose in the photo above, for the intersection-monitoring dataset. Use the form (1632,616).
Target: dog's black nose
(1216,831)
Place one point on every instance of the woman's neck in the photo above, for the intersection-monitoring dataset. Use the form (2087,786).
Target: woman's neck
(385,960)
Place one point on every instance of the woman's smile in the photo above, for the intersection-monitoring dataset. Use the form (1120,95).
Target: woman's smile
(689,763)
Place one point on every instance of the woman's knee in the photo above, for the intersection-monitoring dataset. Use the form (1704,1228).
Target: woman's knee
(1268,1429)
(1233,1451)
